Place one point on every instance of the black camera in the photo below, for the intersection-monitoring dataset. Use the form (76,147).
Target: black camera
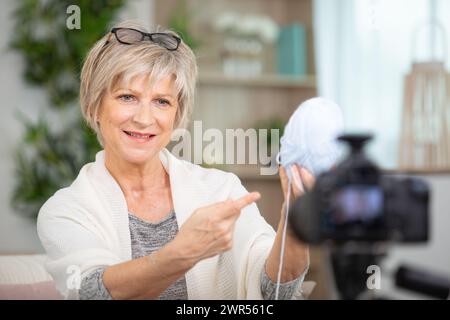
(357,202)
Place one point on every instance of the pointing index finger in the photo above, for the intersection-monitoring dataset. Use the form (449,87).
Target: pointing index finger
(246,200)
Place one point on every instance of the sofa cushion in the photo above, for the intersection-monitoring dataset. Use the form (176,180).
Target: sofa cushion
(24,277)
(33,291)
(23,269)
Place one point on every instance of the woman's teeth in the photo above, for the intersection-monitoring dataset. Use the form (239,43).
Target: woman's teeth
(137,135)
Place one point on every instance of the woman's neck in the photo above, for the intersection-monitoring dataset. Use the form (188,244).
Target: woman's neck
(136,178)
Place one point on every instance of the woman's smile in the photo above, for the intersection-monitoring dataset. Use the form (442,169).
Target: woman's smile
(139,136)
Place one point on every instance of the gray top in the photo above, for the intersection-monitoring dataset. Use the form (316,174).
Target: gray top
(147,237)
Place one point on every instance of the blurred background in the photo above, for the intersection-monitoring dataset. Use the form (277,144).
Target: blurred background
(385,62)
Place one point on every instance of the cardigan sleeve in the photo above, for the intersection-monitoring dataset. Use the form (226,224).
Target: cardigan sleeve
(93,287)
(73,247)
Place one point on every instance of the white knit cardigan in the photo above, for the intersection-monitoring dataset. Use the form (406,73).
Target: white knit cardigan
(85,226)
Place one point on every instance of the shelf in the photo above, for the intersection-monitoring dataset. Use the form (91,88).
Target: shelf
(265,80)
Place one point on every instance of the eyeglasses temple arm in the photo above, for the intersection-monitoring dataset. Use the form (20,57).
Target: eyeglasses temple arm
(109,38)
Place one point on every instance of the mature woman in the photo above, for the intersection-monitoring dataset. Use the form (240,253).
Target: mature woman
(140,224)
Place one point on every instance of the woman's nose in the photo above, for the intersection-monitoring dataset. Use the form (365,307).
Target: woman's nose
(144,115)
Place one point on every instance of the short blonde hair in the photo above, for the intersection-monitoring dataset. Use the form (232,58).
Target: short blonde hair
(107,65)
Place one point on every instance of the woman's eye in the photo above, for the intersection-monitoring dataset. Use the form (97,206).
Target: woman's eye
(127,97)
(163,102)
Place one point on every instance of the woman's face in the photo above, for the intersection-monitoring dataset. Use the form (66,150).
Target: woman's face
(136,121)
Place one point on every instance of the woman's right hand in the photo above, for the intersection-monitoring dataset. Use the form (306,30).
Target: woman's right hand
(209,230)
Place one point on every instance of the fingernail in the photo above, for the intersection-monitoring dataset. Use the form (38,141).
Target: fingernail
(304,171)
(296,178)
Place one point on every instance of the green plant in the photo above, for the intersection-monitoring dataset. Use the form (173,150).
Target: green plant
(180,22)
(48,159)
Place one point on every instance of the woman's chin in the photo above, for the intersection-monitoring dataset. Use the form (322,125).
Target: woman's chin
(139,156)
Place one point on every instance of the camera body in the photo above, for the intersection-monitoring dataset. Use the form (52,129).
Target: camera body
(357,202)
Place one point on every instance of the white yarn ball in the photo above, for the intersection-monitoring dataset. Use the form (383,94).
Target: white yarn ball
(310,136)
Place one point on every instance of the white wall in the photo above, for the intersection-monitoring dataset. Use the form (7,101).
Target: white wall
(17,234)
(364,49)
